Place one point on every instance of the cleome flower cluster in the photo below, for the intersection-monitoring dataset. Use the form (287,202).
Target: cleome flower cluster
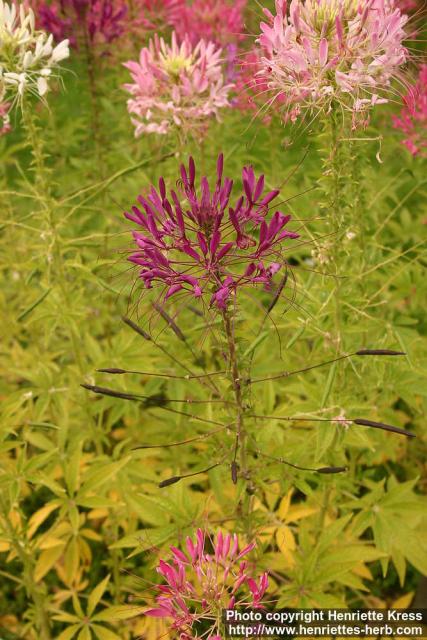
(196,243)
(200,584)
(28,57)
(324,53)
(176,86)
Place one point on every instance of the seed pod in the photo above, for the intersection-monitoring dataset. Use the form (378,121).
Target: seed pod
(169,481)
(112,370)
(384,427)
(379,352)
(166,317)
(108,392)
(136,328)
(331,470)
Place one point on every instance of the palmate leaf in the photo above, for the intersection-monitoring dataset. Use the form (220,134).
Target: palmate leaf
(395,516)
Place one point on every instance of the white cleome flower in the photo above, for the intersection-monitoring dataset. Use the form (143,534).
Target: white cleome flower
(27,56)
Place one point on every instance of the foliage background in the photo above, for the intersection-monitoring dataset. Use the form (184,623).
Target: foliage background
(82,520)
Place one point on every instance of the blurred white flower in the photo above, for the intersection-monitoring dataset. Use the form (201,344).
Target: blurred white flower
(27,55)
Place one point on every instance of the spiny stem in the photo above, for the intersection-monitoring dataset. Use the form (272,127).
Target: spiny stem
(241,436)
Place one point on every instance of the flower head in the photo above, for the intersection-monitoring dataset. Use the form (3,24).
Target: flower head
(195,241)
(176,86)
(27,57)
(100,21)
(201,583)
(412,120)
(325,52)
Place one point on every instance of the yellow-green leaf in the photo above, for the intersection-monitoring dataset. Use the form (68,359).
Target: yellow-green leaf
(96,595)
(104,634)
(69,633)
(123,612)
(46,561)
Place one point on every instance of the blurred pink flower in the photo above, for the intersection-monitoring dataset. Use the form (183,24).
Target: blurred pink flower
(196,243)
(326,52)
(176,86)
(412,120)
(97,21)
(201,583)
(220,21)
(4,118)
(407,6)
(155,14)
(251,87)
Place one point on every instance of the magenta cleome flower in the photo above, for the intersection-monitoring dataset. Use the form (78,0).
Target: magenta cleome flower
(196,243)
(412,120)
(176,87)
(98,22)
(326,52)
(200,584)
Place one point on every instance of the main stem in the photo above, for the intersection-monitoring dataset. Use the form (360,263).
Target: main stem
(241,436)
(336,212)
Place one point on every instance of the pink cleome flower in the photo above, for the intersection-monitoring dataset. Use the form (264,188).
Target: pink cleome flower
(197,244)
(326,52)
(412,120)
(98,21)
(200,584)
(176,86)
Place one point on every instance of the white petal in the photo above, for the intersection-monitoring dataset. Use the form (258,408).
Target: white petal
(42,85)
